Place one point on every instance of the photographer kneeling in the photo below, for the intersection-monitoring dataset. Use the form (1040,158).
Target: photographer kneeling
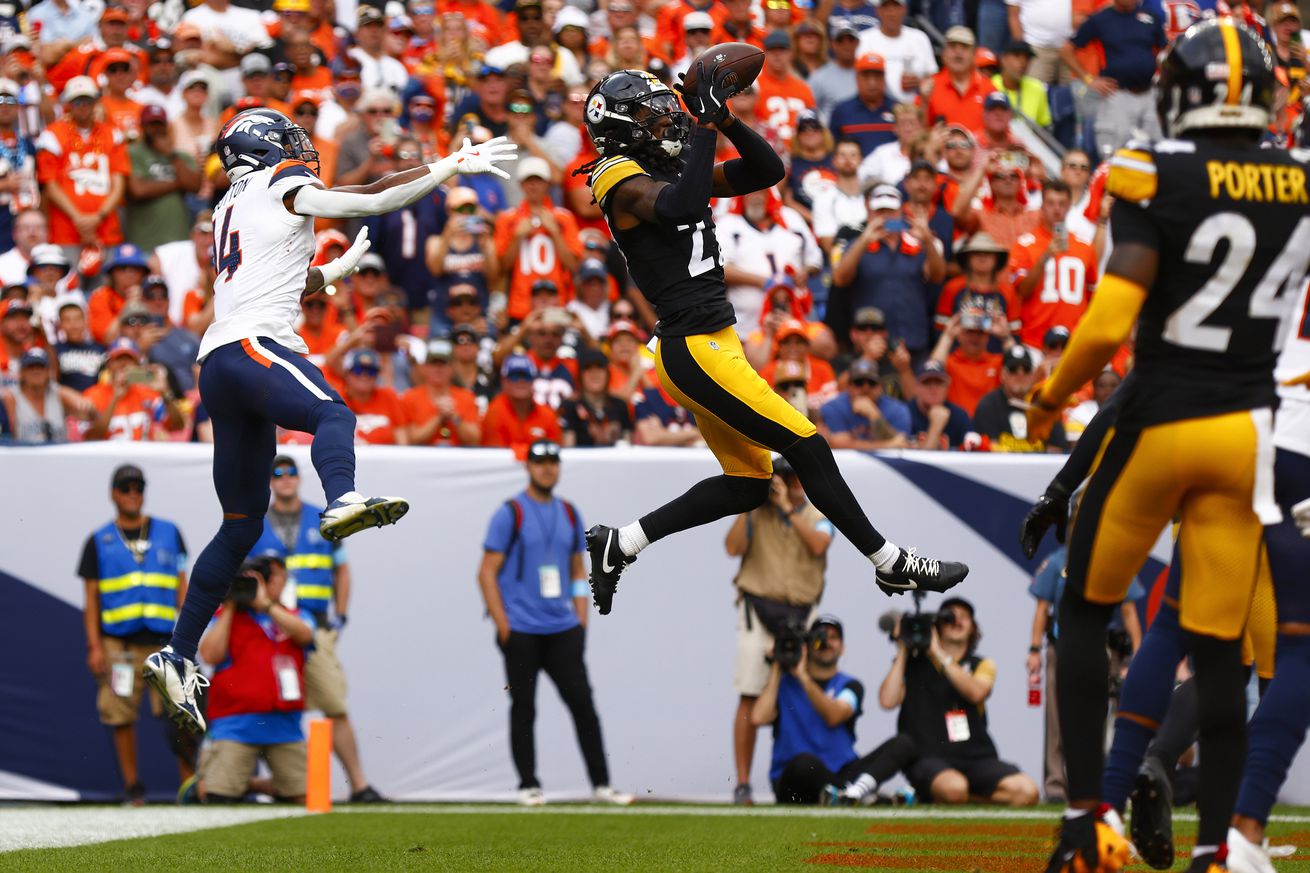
(256,696)
(813,707)
(941,687)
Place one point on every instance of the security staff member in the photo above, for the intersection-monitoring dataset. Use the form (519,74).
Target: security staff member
(321,582)
(134,569)
(535,587)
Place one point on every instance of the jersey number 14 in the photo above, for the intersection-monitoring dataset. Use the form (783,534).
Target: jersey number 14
(1271,298)
(227,255)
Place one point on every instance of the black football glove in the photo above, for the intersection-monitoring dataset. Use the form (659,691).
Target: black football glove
(709,104)
(1052,508)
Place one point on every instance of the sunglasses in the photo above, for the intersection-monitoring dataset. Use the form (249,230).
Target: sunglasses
(520,108)
(135,321)
(8,100)
(809,125)
(203,86)
(307,113)
(131,488)
(370,271)
(466,209)
(408,155)
(864,383)
(465,340)
(1006,177)
(959,145)
(1084,167)
(529,16)
(377,112)
(519,377)
(118,68)
(284,471)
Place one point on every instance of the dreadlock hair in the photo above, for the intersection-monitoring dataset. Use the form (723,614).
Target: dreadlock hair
(651,155)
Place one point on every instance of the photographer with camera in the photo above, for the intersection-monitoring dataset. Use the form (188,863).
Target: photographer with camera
(256,696)
(941,686)
(783,546)
(813,707)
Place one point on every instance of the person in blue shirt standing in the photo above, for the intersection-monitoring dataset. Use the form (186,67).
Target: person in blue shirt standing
(866,117)
(535,587)
(862,416)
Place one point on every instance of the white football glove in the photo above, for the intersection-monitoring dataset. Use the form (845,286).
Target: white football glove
(473,159)
(1301,515)
(341,267)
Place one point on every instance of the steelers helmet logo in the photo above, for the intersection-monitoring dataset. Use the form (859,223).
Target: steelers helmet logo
(596,108)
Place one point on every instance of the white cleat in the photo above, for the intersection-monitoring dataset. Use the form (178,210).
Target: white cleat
(178,681)
(532,797)
(352,513)
(1245,856)
(605,794)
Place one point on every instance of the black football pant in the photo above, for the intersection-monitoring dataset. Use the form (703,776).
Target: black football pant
(804,776)
(560,655)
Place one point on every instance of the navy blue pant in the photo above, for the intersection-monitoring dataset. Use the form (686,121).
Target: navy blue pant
(250,388)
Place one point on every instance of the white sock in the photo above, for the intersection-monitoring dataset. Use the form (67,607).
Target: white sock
(632,539)
(352,497)
(1070,814)
(1204,850)
(886,557)
(861,787)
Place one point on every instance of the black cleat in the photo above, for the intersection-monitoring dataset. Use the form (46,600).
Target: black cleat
(1152,825)
(913,573)
(1088,843)
(607,562)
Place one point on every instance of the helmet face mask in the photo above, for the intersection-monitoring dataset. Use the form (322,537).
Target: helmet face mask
(258,138)
(624,113)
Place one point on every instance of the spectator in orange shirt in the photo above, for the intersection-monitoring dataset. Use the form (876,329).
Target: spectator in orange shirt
(121,111)
(981,284)
(82,165)
(1053,271)
(973,370)
(320,330)
(1004,215)
(64,61)
(439,412)
(672,29)
(738,25)
(379,417)
(131,397)
(514,419)
(783,94)
(957,92)
(127,268)
(794,346)
(536,240)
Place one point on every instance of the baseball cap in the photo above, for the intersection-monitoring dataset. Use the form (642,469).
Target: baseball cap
(623,326)
(368,15)
(870,316)
(984,57)
(291,6)
(951,602)
(932,370)
(134,313)
(533,167)
(863,368)
(461,290)
(34,357)
(117,55)
(186,30)
(696,21)
(518,366)
(808,118)
(123,346)
(48,255)
(885,197)
(831,620)
(362,359)
(589,357)
(400,23)
(1019,47)
(960,35)
(844,28)
(125,474)
(490,70)
(126,255)
(1018,358)
(592,268)
(572,16)
(790,328)
(300,98)
(778,39)
(372,261)
(544,286)
(1056,337)
(465,330)
(285,461)
(461,196)
(996,100)
(870,61)
(192,77)
(255,64)
(15,306)
(1284,11)
(115,13)
(153,113)
(80,86)
(440,349)
(543,450)
(920,164)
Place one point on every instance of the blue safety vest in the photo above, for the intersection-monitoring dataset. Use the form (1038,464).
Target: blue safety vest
(138,596)
(800,728)
(309,563)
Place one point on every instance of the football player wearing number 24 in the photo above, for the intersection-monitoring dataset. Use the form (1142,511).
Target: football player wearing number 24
(653,181)
(253,376)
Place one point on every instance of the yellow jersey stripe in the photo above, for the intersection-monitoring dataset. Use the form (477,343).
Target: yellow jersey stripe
(132,580)
(606,178)
(313,592)
(1233,55)
(309,562)
(138,610)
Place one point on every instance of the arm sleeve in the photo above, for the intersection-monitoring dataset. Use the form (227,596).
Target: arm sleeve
(853,696)
(688,197)
(759,166)
(499,531)
(89,566)
(328,203)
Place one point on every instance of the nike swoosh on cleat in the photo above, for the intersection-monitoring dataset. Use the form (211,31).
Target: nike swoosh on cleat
(605,565)
(907,586)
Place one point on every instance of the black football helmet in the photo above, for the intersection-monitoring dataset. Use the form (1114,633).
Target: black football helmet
(262,137)
(622,109)
(1218,74)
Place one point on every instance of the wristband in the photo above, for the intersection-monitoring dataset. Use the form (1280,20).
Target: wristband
(1034,650)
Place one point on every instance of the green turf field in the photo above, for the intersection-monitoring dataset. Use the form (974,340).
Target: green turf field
(660,838)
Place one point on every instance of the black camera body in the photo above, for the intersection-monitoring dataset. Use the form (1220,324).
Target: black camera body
(916,632)
(788,643)
(245,588)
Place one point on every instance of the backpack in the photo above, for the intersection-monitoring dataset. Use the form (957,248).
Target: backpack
(515,508)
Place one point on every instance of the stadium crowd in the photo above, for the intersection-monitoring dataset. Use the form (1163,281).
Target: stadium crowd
(934,245)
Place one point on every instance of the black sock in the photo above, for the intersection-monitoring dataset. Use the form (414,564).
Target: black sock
(813,462)
(1178,730)
(706,501)
(1221,725)
(1082,691)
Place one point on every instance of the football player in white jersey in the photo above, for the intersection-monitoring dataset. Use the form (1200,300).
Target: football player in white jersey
(254,377)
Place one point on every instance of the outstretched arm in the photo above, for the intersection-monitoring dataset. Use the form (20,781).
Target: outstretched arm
(398,190)
(759,166)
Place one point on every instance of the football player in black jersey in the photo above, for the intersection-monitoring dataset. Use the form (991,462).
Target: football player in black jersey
(1211,245)
(654,180)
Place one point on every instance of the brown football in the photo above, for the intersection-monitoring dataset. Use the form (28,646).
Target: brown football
(742,62)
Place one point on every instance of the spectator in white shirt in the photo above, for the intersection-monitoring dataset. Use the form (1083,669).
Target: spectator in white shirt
(30,230)
(906,51)
(835,81)
(841,204)
(1045,25)
(888,164)
(759,243)
(377,68)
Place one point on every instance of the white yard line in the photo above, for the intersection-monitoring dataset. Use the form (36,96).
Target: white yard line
(44,827)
